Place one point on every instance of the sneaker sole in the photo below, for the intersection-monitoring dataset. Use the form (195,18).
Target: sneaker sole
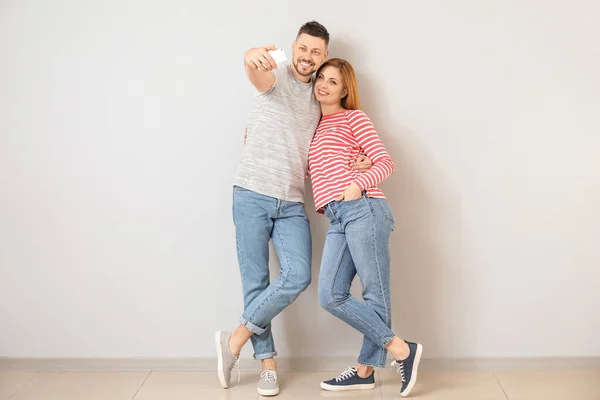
(413,377)
(220,360)
(335,388)
(270,392)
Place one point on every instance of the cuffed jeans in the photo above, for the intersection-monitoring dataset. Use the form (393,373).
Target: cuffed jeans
(358,242)
(257,220)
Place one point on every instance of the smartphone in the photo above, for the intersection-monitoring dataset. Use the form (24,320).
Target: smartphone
(278,55)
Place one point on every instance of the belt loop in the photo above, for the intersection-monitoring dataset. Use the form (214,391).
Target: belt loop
(332,209)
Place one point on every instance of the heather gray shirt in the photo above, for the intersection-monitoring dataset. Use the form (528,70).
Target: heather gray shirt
(280,127)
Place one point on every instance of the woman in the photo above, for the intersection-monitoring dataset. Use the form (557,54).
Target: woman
(358,240)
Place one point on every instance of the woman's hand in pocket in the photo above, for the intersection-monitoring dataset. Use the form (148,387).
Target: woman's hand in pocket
(352,192)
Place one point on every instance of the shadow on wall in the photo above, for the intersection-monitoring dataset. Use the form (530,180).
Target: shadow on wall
(427,245)
(428,283)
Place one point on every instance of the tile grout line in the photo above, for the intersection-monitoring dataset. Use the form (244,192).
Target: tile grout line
(142,385)
(24,384)
(380,385)
(499,384)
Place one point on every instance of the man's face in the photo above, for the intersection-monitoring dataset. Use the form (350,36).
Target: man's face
(308,53)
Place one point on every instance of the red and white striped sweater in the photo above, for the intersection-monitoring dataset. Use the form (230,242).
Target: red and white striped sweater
(339,139)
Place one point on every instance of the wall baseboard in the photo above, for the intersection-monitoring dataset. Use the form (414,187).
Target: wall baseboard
(291,364)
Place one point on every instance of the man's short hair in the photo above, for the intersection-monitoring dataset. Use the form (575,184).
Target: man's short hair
(313,28)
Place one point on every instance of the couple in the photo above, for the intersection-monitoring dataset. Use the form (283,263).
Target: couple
(303,121)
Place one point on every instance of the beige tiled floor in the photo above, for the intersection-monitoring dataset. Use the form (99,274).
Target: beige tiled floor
(192,385)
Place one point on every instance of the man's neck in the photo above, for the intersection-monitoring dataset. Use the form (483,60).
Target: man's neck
(301,78)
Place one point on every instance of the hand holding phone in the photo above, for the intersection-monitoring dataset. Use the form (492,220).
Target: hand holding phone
(260,57)
(278,55)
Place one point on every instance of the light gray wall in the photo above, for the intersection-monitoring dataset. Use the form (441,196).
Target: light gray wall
(121,129)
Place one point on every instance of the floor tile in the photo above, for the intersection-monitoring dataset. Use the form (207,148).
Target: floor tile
(445,386)
(550,385)
(11,381)
(184,385)
(196,385)
(81,385)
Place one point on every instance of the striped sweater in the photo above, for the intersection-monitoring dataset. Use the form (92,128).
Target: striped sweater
(339,140)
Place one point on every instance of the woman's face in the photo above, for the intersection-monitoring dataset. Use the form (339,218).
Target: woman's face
(329,88)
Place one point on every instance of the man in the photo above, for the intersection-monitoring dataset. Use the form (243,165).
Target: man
(268,197)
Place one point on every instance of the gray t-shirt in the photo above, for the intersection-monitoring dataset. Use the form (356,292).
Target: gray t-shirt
(280,127)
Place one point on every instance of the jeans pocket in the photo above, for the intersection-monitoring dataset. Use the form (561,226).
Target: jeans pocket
(352,201)
(387,212)
(363,195)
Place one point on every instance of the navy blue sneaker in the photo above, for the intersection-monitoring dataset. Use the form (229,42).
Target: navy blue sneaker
(408,368)
(349,380)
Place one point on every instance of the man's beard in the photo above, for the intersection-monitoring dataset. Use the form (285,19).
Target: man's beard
(309,73)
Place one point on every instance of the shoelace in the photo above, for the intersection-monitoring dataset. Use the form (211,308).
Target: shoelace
(269,376)
(400,369)
(236,364)
(348,373)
